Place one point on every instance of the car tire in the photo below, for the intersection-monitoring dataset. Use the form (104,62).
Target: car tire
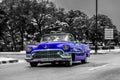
(33,64)
(84,61)
(88,55)
(68,63)
(53,63)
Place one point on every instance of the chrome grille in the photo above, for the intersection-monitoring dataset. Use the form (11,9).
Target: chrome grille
(47,54)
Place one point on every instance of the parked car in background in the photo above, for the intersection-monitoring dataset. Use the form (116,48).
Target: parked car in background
(57,47)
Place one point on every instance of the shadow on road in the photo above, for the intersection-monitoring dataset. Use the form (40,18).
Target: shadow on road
(76,64)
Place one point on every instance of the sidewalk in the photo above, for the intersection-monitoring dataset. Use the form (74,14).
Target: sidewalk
(106,51)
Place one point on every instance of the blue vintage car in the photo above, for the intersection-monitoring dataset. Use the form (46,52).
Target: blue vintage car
(57,48)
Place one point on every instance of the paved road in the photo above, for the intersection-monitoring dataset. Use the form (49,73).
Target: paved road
(99,67)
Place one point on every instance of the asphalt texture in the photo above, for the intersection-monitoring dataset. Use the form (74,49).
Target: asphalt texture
(99,67)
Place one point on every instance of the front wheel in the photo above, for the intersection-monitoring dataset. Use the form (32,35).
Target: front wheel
(53,63)
(84,61)
(33,64)
(68,63)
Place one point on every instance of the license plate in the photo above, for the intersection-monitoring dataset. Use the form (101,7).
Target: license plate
(44,59)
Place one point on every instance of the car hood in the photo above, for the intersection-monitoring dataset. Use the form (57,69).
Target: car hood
(53,45)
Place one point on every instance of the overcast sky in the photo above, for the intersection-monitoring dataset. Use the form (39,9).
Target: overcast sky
(111,8)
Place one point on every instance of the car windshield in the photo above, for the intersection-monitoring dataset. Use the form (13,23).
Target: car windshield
(56,37)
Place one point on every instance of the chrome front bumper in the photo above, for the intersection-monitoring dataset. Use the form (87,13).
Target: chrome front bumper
(48,56)
(48,60)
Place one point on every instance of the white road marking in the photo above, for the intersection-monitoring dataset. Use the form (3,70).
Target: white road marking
(94,68)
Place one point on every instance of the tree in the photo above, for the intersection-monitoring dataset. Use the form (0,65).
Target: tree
(2,21)
(58,19)
(42,15)
(78,23)
(25,20)
(17,12)
(3,24)
(25,15)
(103,22)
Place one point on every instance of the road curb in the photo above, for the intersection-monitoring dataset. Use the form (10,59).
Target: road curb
(98,53)
(8,61)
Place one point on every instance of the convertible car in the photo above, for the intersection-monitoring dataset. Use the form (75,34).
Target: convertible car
(57,48)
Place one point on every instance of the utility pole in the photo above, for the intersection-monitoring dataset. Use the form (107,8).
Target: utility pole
(96,45)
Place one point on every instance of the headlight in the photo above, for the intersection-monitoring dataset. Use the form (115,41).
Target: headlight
(66,47)
(28,49)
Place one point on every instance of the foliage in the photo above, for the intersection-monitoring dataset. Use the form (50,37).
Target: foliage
(78,23)
(23,22)
(102,23)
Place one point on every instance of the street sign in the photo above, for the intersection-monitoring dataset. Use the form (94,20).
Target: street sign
(108,34)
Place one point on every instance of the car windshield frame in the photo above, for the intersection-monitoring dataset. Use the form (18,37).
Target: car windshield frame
(57,37)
